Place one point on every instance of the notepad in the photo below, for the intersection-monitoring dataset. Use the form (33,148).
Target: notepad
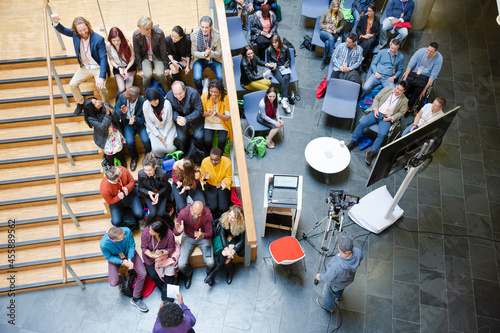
(286,71)
(172,290)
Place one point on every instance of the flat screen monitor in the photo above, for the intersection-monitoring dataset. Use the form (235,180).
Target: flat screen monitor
(395,155)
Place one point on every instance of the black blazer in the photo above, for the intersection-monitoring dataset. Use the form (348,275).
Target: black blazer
(249,71)
(284,59)
(121,117)
(158,181)
(141,47)
(363,23)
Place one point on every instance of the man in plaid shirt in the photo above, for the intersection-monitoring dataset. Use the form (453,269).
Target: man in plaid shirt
(346,59)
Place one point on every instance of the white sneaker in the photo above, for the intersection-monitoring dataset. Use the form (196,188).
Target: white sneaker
(205,84)
(286,105)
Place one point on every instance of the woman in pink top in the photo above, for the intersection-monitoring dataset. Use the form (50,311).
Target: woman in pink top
(263,27)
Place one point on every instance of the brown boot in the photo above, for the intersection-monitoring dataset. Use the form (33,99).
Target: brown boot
(369,157)
(133,164)
(351,145)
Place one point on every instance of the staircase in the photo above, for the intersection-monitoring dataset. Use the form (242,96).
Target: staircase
(27,180)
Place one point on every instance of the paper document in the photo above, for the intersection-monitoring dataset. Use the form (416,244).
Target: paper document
(286,71)
(172,291)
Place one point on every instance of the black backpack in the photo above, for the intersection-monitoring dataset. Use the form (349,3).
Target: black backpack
(126,287)
(290,46)
(307,43)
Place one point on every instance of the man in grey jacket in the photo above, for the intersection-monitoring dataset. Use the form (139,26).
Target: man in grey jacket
(340,272)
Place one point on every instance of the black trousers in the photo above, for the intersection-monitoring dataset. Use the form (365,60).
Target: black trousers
(159,210)
(262,44)
(159,283)
(217,199)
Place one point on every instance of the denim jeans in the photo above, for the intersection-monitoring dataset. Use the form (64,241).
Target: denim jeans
(132,200)
(198,68)
(329,40)
(407,129)
(355,22)
(386,26)
(329,296)
(368,120)
(183,137)
(129,133)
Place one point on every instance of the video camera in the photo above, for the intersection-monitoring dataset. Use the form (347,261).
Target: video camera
(340,201)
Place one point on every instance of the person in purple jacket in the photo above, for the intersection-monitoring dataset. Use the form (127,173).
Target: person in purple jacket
(174,318)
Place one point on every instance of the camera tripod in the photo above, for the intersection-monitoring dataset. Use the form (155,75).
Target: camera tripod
(335,217)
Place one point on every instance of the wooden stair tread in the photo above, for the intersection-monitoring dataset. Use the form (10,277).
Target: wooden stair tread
(67,188)
(44,131)
(40,61)
(50,210)
(52,252)
(30,92)
(44,170)
(37,111)
(53,274)
(27,151)
(41,242)
(50,231)
(36,72)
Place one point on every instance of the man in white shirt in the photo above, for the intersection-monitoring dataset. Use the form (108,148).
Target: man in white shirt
(90,50)
(427,114)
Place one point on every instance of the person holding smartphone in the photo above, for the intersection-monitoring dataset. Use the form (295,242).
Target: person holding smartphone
(157,243)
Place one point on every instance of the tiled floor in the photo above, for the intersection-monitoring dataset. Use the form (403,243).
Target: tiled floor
(408,282)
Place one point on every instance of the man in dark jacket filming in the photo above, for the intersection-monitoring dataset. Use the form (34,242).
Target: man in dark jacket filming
(340,272)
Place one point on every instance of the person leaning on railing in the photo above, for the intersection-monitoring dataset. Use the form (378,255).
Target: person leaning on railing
(90,50)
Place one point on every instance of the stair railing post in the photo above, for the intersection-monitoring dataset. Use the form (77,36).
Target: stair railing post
(65,147)
(59,84)
(69,210)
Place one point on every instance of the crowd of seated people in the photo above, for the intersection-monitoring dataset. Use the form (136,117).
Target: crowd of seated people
(401,88)
(176,118)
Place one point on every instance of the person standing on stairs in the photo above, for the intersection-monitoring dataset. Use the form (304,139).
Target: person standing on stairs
(90,49)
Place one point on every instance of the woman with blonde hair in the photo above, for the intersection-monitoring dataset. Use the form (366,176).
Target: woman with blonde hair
(331,25)
(230,234)
(186,178)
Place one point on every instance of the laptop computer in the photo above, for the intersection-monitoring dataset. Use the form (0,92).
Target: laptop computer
(284,190)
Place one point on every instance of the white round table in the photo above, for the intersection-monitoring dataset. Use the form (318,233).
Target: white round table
(327,155)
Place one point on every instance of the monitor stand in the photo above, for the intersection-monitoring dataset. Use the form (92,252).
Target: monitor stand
(378,209)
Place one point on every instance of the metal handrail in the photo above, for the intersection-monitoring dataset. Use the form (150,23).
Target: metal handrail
(58,34)
(46,21)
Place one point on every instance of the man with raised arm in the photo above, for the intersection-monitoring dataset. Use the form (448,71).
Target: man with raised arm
(90,50)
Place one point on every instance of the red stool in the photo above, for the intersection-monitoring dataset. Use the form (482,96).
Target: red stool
(286,251)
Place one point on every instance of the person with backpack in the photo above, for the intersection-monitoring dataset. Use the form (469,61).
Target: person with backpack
(269,115)
(118,248)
